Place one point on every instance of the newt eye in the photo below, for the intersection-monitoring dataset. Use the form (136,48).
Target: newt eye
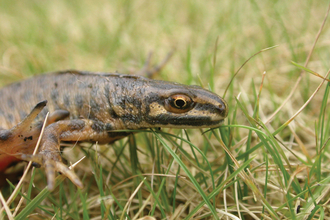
(178,103)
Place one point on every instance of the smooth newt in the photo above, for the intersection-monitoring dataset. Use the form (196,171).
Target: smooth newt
(88,107)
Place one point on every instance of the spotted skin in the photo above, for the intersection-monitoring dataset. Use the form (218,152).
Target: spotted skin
(88,107)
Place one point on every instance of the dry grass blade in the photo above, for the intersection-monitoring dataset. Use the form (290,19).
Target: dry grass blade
(228,214)
(129,201)
(304,106)
(236,198)
(141,209)
(22,199)
(300,143)
(145,174)
(317,36)
(6,207)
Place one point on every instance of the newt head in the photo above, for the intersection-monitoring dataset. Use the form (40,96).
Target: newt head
(139,103)
(180,106)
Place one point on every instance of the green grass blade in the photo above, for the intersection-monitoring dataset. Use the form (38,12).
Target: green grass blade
(191,177)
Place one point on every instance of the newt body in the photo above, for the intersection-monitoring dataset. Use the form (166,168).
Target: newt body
(88,107)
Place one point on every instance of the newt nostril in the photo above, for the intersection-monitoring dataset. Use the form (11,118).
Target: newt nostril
(223,110)
(36,165)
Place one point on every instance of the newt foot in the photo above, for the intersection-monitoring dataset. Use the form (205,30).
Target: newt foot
(52,163)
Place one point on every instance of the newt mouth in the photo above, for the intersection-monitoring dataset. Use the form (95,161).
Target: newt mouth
(165,120)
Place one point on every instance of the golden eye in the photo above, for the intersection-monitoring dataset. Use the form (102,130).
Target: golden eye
(178,103)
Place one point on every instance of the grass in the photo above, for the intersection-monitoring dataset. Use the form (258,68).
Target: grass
(266,162)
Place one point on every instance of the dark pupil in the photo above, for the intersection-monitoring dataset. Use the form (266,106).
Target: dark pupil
(180,103)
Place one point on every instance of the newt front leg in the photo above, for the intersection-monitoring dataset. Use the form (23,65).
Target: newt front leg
(49,154)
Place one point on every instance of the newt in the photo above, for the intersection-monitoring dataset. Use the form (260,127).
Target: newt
(89,107)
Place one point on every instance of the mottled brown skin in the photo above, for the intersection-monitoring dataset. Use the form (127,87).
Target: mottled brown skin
(88,107)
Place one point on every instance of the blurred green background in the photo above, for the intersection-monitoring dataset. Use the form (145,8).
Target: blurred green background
(42,36)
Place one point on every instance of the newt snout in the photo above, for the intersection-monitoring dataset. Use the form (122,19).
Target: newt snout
(181,106)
